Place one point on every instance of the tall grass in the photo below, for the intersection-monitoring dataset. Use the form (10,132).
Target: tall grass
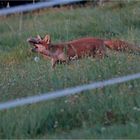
(111,112)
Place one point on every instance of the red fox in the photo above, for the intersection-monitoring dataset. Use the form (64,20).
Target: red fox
(64,52)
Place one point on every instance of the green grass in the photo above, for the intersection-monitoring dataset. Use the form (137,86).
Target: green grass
(110,112)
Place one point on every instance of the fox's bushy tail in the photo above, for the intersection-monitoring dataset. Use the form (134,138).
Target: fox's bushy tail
(120,45)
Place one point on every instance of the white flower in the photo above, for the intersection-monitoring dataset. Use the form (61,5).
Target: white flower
(36,59)
(133,124)
(103,129)
(136,108)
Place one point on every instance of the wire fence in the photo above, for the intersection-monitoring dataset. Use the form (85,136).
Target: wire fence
(66,92)
(35,6)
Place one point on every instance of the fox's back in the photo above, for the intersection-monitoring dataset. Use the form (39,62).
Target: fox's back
(85,46)
(88,44)
(86,40)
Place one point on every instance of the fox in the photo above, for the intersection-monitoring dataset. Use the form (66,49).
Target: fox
(67,51)
(76,49)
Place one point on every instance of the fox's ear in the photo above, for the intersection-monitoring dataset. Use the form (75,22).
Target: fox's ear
(47,39)
(38,36)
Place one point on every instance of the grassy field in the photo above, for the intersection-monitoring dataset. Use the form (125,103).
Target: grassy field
(110,112)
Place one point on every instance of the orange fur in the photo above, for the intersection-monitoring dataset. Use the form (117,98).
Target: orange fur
(120,45)
(89,46)
(69,50)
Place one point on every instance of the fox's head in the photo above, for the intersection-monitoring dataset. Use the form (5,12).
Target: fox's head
(40,45)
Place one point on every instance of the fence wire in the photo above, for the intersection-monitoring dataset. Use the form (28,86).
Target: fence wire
(66,92)
(35,6)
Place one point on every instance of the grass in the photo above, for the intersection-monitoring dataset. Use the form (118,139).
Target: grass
(110,112)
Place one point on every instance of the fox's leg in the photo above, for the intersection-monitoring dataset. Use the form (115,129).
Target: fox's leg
(53,62)
(101,53)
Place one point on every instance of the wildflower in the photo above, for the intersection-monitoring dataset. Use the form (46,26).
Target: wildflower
(36,59)
(61,110)
(55,124)
(103,129)
(133,124)
(136,108)
(130,86)
(66,101)
(89,110)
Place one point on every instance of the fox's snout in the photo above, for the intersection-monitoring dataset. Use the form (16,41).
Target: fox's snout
(33,41)
(34,49)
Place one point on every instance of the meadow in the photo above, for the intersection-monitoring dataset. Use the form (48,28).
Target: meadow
(109,112)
